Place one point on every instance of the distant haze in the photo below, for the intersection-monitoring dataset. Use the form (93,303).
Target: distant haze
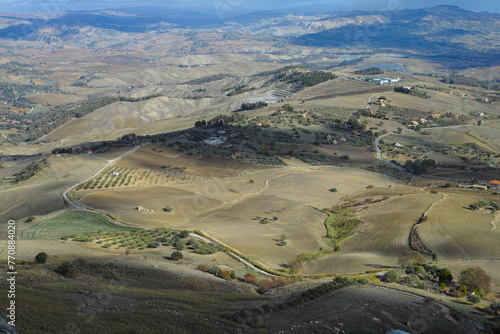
(235,7)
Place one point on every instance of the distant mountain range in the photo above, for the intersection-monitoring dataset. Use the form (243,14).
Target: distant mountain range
(442,31)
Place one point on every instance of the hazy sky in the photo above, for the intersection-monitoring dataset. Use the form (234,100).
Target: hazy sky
(235,6)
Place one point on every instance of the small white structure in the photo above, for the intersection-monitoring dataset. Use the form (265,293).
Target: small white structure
(116,172)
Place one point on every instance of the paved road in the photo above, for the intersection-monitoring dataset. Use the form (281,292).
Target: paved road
(110,162)
(239,258)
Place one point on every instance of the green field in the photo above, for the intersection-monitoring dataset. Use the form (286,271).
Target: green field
(68,223)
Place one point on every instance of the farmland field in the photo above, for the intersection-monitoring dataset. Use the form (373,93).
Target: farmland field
(147,158)
(313,188)
(237,226)
(379,245)
(124,202)
(71,222)
(453,231)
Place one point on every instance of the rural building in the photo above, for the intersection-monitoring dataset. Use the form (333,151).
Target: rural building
(399,145)
(495,185)
(116,172)
(423,121)
(384,81)
(414,123)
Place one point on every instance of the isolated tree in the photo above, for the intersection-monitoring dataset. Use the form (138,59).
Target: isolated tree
(392,276)
(180,245)
(176,256)
(168,208)
(445,276)
(184,234)
(283,240)
(295,266)
(41,257)
(475,278)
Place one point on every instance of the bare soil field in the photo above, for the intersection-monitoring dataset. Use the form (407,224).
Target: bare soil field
(74,128)
(438,103)
(453,231)
(491,266)
(236,226)
(379,244)
(123,204)
(313,188)
(237,188)
(56,99)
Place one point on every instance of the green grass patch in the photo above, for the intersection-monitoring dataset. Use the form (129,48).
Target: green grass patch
(340,225)
(68,223)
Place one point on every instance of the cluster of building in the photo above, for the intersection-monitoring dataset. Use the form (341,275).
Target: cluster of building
(384,80)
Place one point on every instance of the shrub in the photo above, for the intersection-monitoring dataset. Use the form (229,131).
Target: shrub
(392,276)
(421,285)
(202,267)
(411,279)
(168,208)
(462,289)
(250,278)
(473,298)
(30,219)
(210,248)
(176,256)
(180,245)
(419,270)
(333,190)
(66,269)
(474,206)
(151,245)
(41,257)
(495,306)
(295,266)
(363,281)
(184,234)
(445,276)
(442,286)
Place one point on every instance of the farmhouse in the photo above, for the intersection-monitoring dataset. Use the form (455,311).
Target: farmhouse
(495,185)
(116,172)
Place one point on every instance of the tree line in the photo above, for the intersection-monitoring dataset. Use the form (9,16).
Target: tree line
(309,79)
(413,91)
(471,82)
(30,170)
